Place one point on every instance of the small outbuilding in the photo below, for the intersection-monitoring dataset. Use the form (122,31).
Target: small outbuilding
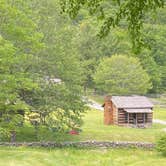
(134,111)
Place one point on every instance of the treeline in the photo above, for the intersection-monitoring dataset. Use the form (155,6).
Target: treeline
(40,68)
(48,60)
(152,55)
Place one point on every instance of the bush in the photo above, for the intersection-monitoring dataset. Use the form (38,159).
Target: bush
(161,144)
(4,134)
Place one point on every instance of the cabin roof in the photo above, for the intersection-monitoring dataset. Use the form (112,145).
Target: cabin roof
(138,110)
(131,102)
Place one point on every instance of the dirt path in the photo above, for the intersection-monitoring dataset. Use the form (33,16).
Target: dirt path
(159,121)
(93,104)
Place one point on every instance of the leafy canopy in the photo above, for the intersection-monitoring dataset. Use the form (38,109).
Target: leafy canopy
(33,50)
(113,12)
(122,75)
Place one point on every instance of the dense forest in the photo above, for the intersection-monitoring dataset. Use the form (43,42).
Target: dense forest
(39,44)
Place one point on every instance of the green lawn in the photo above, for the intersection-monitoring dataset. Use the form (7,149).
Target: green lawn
(83,157)
(97,98)
(160,113)
(94,129)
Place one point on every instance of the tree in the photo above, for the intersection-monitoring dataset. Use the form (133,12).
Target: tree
(12,84)
(112,13)
(92,49)
(122,75)
(56,60)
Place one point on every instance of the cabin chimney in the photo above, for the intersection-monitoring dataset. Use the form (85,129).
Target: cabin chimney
(108,111)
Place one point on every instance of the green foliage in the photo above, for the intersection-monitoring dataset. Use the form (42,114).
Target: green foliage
(31,55)
(112,13)
(122,75)
(38,44)
(161,144)
(12,81)
(4,135)
(61,121)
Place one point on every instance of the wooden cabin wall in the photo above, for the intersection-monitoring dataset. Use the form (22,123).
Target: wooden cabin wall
(122,117)
(140,118)
(149,117)
(115,114)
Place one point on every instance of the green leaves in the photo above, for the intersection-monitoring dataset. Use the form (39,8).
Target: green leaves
(122,75)
(161,144)
(132,11)
(18,40)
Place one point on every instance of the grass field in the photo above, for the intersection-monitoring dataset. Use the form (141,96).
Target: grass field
(94,129)
(83,157)
(97,98)
(160,113)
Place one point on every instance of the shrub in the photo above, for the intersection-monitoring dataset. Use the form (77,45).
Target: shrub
(161,144)
(4,134)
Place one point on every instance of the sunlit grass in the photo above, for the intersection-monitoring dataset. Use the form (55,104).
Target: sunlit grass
(160,113)
(83,157)
(94,129)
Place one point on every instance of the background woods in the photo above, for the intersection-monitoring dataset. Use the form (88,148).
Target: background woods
(40,45)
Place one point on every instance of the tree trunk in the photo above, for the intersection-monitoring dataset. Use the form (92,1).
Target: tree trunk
(85,89)
(13,136)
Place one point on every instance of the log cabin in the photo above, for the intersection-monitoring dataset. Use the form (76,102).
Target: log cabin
(132,111)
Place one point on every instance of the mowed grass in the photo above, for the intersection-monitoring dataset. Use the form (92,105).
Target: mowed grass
(97,98)
(83,157)
(94,129)
(160,113)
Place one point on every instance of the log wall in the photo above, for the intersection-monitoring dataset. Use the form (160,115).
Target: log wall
(112,115)
(149,118)
(115,114)
(122,120)
(125,119)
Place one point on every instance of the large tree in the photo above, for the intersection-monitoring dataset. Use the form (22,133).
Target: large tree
(18,40)
(121,75)
(33,50)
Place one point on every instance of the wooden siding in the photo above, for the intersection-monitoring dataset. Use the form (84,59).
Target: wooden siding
(121,117)
(113,115)
(132,119)
(149,118)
